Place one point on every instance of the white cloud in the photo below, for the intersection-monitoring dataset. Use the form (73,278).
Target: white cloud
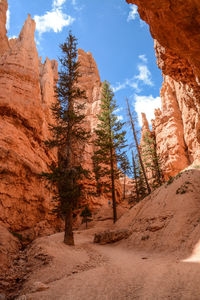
(134,85)
(147,105)
(127,83)
(118,110)
(58,3)
(76,6)
(144,75)
(133,13)
(12,37)
(119,86)
(120,118)
(53,20)
(143,58)
(8,19)
(37,42)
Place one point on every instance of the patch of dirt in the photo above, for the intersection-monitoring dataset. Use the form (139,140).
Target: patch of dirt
(112,272)
(159,260)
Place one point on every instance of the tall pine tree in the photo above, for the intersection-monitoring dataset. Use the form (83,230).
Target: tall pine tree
(68,136)
(110,144)
(138,148)
(135,176)
(152,160)
(140,189)
(125,168)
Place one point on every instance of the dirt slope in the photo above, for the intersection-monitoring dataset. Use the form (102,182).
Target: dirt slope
(160,260)
(169,219)
(110,272)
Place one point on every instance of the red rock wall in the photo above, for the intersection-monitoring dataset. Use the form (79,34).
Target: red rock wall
(26,93)
(3,38)
(91,83)
(169,132)
(145,128)
(175,27)
(147,159)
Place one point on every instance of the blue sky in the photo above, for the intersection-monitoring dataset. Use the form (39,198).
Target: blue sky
(111,30)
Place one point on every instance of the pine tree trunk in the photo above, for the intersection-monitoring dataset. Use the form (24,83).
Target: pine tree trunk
(112,175)
(157,167)
(138,150)
(135,175)
(69,236)
(113,188)
(114,200)
(86,223)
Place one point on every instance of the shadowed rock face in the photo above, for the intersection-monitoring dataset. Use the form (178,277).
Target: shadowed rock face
(175,27)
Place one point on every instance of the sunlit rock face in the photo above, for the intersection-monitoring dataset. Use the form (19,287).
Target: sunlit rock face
(146,133)
(26,94)
(174,25)
(91,83)
(27,91)
(180,84)
(145,129)
(169,132)
(3,38)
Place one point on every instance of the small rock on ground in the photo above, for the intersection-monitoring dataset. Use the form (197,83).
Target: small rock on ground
(107,237)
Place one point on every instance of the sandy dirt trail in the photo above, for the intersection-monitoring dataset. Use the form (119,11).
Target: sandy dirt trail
(113,272)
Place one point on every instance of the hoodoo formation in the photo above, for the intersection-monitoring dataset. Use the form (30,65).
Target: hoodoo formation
(26,95)
(25,111)
(175,28)
(91,83)
(157,230)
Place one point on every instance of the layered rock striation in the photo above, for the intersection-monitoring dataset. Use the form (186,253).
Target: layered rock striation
(169,132)
(26,94)
(174,25)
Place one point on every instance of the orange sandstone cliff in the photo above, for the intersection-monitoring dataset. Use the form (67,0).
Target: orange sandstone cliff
(26,95)
(174,25)
(3,37)
(91,83)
